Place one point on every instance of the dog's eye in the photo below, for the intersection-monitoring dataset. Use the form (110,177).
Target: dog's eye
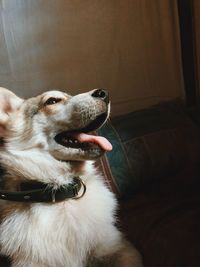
(52,101)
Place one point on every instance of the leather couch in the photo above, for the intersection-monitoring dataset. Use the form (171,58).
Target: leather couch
(155,170)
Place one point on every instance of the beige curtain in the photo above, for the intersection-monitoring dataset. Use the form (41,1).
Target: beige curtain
(130,47)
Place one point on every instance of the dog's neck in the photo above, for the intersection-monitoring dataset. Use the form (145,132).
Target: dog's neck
(36,192)
(36,166)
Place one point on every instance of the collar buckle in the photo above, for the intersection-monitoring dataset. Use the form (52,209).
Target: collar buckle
(75,189)
(77,186)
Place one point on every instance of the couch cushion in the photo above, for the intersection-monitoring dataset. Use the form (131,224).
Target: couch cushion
(147,145)
(163,220)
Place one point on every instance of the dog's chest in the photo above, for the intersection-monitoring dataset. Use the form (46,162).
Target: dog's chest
(62,234)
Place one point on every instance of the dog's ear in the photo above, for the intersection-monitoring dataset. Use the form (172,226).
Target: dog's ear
(9,103)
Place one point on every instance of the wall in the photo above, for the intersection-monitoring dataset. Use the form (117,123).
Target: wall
(130,47)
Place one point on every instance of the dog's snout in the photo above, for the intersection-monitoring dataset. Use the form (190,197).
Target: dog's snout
(102,94)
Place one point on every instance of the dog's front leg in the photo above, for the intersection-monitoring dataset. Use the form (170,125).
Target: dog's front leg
(127,256)
(120,254)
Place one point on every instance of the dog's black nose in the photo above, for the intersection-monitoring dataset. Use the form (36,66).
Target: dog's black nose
(101,93)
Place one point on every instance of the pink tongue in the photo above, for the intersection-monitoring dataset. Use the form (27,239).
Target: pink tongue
(99,140)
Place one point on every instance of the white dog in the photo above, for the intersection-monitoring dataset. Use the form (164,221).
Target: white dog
(56,210)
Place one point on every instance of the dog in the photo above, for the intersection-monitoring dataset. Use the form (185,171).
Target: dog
(55,209)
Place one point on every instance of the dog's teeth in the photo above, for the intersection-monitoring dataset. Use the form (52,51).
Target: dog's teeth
(68,141)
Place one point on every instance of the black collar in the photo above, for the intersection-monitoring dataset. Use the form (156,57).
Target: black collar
(40,192)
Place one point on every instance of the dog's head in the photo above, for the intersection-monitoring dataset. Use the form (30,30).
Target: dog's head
(55,123)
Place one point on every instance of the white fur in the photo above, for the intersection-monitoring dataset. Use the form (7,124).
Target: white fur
(63,234)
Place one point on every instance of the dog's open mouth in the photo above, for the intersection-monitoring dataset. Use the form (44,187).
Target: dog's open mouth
(81,139)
